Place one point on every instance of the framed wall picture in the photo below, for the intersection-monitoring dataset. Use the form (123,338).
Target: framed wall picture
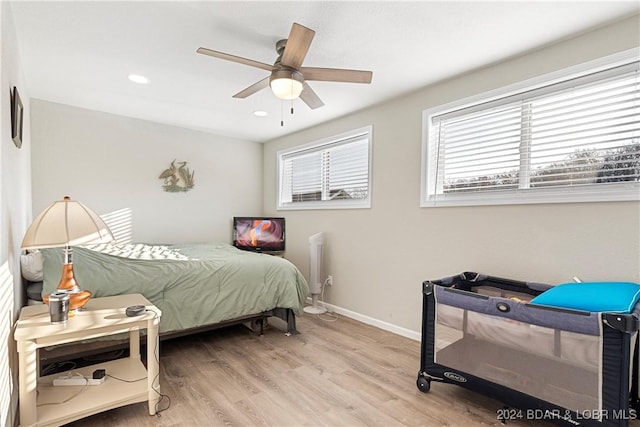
(16,117)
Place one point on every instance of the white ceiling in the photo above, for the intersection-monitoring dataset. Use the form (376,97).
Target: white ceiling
(80,52)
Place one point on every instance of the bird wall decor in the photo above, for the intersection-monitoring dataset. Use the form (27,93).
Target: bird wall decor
(177,179)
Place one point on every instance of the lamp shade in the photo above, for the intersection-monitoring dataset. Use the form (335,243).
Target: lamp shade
(66,223)
(286,84)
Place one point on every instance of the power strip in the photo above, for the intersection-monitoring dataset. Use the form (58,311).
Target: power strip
(67,380)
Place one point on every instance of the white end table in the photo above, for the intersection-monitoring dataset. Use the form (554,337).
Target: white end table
(43,404)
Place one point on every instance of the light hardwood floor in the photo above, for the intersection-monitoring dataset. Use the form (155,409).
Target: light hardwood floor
(340,373)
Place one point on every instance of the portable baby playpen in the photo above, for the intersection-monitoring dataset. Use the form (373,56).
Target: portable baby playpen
(565,354)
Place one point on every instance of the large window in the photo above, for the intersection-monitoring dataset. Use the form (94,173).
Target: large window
(569,138)
(328,174)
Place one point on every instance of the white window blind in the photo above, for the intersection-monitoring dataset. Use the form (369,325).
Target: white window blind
(332,173)
(573,140)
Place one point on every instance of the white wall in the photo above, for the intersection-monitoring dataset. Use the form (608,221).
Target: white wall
(112,163)
(15,211)
(379,257)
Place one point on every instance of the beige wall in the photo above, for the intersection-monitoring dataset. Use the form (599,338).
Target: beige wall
(112,163)
(379,257)
(15,211)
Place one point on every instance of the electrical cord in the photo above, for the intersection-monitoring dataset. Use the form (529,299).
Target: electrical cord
(328,316)
(126,381)
(57,366)
(73,396)
(67,399)
(156,353)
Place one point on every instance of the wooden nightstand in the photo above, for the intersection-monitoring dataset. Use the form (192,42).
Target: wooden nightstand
(42,403)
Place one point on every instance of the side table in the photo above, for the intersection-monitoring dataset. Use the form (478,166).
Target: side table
(128,381)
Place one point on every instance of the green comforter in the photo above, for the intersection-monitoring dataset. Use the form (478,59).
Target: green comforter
(193,284)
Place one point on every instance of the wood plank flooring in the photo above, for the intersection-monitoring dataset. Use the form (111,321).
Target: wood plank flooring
(334,373)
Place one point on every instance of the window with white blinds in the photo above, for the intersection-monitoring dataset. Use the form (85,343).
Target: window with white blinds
(328,174)
(575,139)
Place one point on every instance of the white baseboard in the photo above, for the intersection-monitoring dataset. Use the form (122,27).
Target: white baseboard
(408,333)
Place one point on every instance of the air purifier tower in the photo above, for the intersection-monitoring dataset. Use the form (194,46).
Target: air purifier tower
(316,244)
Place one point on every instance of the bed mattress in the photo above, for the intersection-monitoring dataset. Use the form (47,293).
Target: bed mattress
(193,284)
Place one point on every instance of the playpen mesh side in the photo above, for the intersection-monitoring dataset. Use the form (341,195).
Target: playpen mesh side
(557,366)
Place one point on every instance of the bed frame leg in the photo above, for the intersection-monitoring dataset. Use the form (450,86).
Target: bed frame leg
(291,324)
(288,316)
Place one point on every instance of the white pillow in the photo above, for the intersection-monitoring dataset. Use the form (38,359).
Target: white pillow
(31,266)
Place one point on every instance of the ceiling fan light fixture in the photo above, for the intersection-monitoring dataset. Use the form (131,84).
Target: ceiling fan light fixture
(288,78)
(286,84)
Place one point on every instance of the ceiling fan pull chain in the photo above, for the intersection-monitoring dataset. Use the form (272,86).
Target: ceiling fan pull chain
(292,107)
(281,113)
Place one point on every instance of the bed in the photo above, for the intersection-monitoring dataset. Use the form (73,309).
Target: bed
(565,354)
(197,286)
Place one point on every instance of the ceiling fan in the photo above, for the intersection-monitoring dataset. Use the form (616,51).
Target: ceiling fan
(288,79)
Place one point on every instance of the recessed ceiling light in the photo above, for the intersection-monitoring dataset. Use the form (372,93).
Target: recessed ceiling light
(260,113)
(136,78)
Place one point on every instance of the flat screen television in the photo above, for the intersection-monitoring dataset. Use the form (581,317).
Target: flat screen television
(258,234)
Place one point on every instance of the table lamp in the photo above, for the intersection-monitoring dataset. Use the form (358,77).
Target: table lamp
(66,223)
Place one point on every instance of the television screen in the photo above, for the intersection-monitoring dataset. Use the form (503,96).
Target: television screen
(259,234)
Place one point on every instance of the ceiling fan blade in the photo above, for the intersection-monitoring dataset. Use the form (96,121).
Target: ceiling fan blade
(253,88)
(297,46)
(310,97)
(336,75)
(234,58)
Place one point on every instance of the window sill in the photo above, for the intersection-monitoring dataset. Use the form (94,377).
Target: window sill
(625,192)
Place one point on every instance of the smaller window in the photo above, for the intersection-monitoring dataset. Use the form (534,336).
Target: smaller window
(333,173)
